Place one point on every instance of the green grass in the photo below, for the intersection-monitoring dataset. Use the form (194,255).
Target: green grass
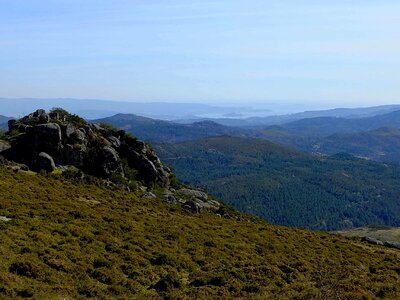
(69,240)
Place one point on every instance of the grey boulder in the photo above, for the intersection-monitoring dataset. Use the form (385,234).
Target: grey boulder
(193,194)
(149,195)
(45,162)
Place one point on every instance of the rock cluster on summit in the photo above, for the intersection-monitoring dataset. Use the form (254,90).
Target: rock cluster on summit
(45,141)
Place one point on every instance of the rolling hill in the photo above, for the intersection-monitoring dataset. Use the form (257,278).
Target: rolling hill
(161,131)
(288,187)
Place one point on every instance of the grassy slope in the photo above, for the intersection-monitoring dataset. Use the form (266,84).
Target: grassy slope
(69,240)
(381,233)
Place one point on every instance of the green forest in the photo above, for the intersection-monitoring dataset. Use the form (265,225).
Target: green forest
(287,187)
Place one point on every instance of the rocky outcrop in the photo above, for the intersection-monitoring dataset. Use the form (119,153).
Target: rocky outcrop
(197,201)
(45,141)
(372,240)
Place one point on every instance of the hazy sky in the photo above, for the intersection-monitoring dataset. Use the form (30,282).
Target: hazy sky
(341,51)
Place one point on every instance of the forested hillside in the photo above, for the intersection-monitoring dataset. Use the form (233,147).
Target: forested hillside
(382,144)
(288,187)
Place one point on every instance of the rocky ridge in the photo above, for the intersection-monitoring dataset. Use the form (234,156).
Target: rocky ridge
(60,141)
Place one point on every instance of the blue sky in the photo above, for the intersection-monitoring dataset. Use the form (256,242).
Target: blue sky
(338,52)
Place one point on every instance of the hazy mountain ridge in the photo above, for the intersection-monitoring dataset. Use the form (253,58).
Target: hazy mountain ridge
(95,109)
(183,112)
(259,122)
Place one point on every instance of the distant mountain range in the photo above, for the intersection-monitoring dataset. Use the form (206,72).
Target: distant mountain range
(289,187)
(322,136)
(95,109)
(338,113)
(248,115)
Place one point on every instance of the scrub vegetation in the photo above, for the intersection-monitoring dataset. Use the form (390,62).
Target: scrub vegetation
(63,239)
